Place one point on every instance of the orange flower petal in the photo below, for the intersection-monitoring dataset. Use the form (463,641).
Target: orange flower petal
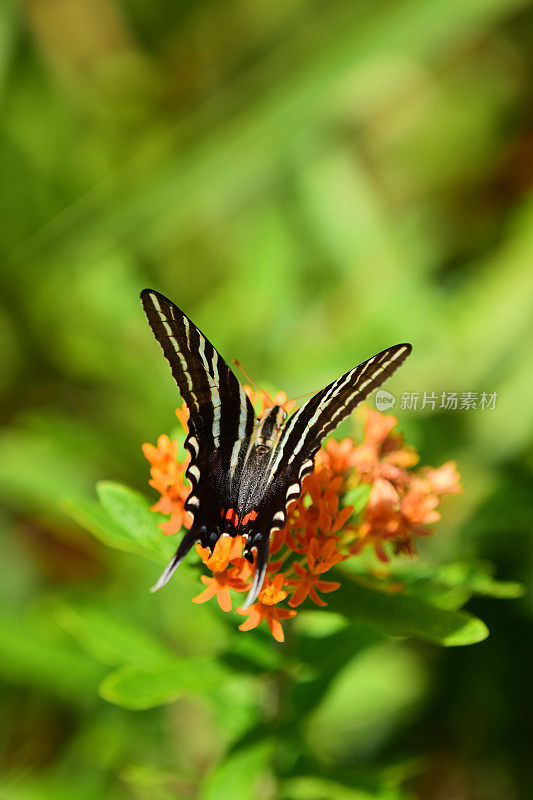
(302,590)
(255,613)
(275,627)
(224,597)
(315,598)
(343,517)
(171,527)
(207,594)
(445,479)
(183,415)
(327,586)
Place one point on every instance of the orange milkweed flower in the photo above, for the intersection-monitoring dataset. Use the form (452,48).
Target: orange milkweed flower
(163,454)
(418,507)
(382,520)
(224,577)
(228,548)
(320,527)
(167,478)
(382,453)
(276,543)
(265,608)
(321,556)
(280,399)
(444,480)
(321,515)
(261,400)
(183,414)
(338,457)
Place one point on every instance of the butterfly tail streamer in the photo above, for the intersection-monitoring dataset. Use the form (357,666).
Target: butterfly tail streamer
(187,542)
(261,564)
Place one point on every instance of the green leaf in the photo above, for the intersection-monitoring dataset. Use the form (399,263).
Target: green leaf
(312,787)
(405,615)
(357,497)
(139,687)
(241,774)
(452,585)
(130,511)
(95,519)
(477,578)
(111,640)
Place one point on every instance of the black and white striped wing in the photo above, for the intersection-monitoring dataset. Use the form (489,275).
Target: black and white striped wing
(300,440)
(221,419)
(312,422)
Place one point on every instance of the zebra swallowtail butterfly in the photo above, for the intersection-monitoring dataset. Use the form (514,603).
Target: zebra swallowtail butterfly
(245,470)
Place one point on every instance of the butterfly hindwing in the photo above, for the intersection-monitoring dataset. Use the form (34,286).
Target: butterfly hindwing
(301,437)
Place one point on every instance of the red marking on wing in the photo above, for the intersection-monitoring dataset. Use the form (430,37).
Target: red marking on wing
(232,516)
(249,517)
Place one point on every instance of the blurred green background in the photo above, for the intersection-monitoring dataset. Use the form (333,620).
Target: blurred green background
(311,182)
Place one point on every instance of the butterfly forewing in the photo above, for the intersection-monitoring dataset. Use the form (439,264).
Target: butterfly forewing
(221,416)
(221,433)
(312,422)
(220,411)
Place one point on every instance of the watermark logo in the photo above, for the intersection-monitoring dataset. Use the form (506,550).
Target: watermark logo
(384,400)
(443,401)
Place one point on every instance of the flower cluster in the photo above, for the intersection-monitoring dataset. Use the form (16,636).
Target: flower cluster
(322,527)
(168,476)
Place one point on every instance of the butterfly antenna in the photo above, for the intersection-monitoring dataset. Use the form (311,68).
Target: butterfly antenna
(301,396)
(263,391)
